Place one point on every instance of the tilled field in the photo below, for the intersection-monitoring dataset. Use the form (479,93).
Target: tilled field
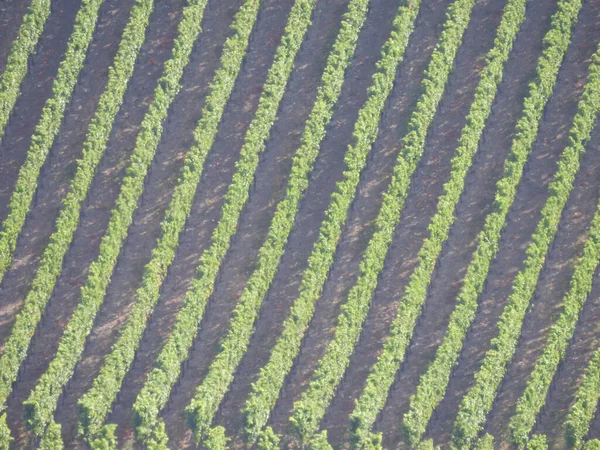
(303,224)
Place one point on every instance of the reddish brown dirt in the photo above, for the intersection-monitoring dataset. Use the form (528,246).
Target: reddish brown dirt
(420,206)
(471,211)
(374,180)
(521,222)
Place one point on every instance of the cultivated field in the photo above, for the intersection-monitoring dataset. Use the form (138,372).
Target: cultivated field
(299,224)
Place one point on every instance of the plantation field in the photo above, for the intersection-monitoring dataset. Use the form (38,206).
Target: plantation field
(299,224)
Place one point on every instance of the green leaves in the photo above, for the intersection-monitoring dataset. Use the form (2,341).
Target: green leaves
(586,403)
(383,372)
(265,390)
(15,347)
(310,409)
(433,383)
(16,65)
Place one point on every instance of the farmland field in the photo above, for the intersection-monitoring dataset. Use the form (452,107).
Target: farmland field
(299,224)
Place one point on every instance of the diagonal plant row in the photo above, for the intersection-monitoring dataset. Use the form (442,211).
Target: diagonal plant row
(156,390)
(16,65)
(41,404)
(586,403)
(433,383)
(15,347)
(476,404)
(383,372)
(181,203)
(272,376)
(94,408)
(43,138)
(5,437)
(310,409)
(119,360)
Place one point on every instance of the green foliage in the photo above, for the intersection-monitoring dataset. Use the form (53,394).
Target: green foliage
(478,401)
(235,343)
(40,406)
(52,439)
(271,378)
(594,444)
(105,439)
(433,383)
(268,440)
(16,65)
(586,403)
(428,445)
(319,442)
(45,131)
(537,442)
(486,442)
(5,437)
(310,409)
(96,403)
(383,372)
(202,408)
(15,348)
(216,439)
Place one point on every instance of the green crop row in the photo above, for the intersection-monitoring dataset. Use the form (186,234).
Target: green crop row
(221,372)
(271,378)
(478,401)
(96,403)
(5,437)
(52,439)
(15,347)
(44,134)
(486,442)
(561,332)
(433,383)
(41,404)
(537,442)
(310,409)
(586,402)
(181,203)
(16,65)
(594,444)
(383,372)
